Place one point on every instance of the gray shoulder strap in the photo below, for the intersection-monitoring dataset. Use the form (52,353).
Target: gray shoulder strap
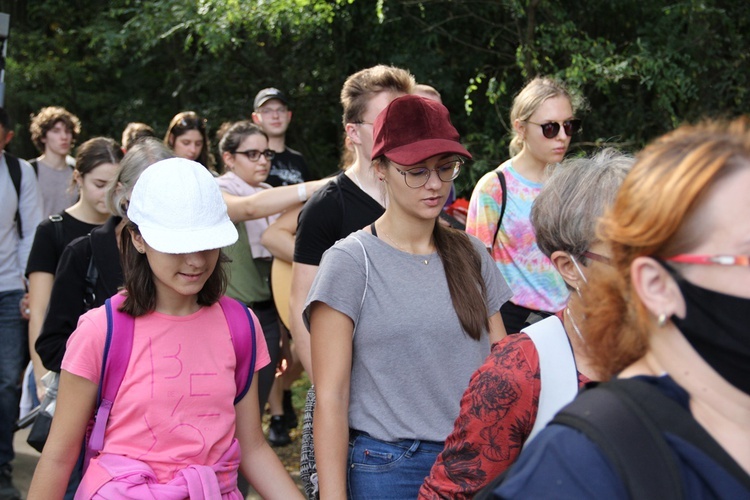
(557,367)
(367,280)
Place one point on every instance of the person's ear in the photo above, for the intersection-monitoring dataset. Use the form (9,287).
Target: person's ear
(567,269)
(352,131)
(288,116)
(77,178)
(520,128)
(380,168)
(170,140)
(256,118)
(656,288)
(138,243)
(228,159)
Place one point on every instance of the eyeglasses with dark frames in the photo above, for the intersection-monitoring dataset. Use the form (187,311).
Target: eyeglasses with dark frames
(711,260)
(551,129)
(418,176)
(254,154)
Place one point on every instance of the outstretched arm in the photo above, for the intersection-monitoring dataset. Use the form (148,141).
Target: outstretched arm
(269,201)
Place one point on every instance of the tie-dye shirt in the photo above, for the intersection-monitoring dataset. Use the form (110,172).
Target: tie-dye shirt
(530,274)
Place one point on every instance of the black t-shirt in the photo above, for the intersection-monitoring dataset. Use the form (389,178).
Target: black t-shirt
(47,248)
(288,167)
(333,212)
(69,288)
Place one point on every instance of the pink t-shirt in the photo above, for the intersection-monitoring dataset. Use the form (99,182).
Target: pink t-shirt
(175,405)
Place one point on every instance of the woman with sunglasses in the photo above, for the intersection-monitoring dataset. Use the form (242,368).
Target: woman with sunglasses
(543,120)
(671,323)
(506,403)
(400,314)
(187,137)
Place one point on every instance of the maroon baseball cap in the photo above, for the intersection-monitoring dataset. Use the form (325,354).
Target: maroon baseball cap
(412,129)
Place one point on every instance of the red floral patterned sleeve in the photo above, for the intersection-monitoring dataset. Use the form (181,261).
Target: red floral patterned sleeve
(498,411)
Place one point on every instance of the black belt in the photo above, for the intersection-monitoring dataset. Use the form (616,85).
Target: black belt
(262,305)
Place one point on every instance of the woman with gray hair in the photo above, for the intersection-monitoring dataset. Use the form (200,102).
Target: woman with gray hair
(504,406)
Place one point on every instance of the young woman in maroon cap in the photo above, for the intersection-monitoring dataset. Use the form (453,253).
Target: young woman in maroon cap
(400,314)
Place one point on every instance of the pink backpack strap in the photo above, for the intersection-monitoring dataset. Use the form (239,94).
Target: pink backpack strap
(239,318)
(117,349)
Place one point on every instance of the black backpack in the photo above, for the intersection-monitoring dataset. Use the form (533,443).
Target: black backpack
(627,419)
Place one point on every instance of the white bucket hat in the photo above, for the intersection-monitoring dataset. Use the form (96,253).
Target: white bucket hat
(178,208)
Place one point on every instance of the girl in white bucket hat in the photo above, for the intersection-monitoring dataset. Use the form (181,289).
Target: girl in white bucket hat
(185,419)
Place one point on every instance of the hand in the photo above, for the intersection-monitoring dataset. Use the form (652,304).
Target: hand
(285,359)
(24,307)
(41,391)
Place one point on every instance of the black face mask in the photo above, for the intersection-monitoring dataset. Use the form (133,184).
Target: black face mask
(717,325)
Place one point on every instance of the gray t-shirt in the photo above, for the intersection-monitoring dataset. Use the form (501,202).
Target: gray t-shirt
(56,188)
(411,360)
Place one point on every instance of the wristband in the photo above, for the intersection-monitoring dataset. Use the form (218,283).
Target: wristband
(301,192)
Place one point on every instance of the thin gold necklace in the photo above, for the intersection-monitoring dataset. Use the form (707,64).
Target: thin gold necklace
(424,261)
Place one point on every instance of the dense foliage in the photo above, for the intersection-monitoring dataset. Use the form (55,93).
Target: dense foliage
(644,67)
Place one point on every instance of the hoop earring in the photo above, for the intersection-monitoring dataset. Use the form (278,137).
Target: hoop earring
(661,320)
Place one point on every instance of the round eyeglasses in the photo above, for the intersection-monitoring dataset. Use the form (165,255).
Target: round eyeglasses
(418,176)
(254,154)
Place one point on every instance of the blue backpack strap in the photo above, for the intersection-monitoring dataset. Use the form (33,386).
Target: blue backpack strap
(117,349)
(243,339)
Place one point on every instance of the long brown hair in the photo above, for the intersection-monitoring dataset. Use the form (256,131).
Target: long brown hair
(463,271)
(654,215)
(139,278)
(183,122)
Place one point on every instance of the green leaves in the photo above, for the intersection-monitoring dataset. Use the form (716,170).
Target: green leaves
(644,67)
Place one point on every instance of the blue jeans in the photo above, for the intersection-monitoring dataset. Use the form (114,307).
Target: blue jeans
(385,470)
(13,331)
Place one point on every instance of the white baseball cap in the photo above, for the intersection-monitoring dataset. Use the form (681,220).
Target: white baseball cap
(178,208)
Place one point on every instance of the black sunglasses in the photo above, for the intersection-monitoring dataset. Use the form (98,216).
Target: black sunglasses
(551,129)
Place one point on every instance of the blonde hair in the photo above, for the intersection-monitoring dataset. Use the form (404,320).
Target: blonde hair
(533,95)
(654,215)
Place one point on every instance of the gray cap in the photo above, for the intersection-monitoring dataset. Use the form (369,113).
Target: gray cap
(266,95)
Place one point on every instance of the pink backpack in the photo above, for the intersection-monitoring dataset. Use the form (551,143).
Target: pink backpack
(119,344)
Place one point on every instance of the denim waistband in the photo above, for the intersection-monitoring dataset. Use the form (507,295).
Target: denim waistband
(402,443)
